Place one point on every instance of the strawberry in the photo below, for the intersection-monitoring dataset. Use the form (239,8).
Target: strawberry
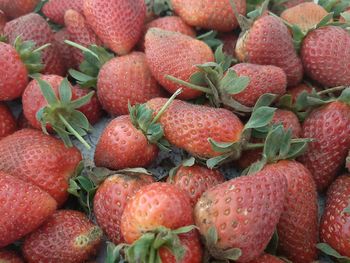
(111,199)
(24,207)
(268,42)
(180,63)
(329,126)
(65,50)
(297,90)
(117,23)
(331,44)
(3,20)
(237,218)
(35,28)
(267,258)
(17,8)
(41,159)
(305,15)
(67,236)
(8,123)
(9,256)
(216,15)
(55,9)
(229,41)
(334,227)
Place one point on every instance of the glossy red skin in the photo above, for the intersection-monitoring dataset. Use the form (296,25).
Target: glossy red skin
(267,258)
(186,52)
(111,199)
(80,32)
(195,180)
(263,79)
(8,124)
(217,15)
(24,207)
(55,9)
(330,127)
(8,256)
(244,211)
(40,159)
(268,42)
(3,20)
(298,225)
(126,79)
(325,53)
(155,205)
(297,90)
(56,240)
(17,8)
(13,73)
(189,126)
(65,50)
(118,24)
(121,146)
(194,252)
(229,41)
(34,27)
(334,228)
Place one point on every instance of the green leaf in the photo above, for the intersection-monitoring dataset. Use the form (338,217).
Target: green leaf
(327,18)
(273,142)
(155,132)
(223,59)
(345,96)
(346,16)
(65,91)
(215,161)
(78,118)
(210,39)
(285,144)
(265,100)
(83,80)
(260,117)
(114,253)
(189,162)
(198,78)
(76,104)
(233,84)
(297,149)
(47,92)
(221,147)
(328,250)
(212,236)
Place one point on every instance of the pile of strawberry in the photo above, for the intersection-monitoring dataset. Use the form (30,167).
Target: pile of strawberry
(260,86)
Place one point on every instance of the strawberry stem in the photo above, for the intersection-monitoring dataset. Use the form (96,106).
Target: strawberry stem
(41,48)
(152,255)
(82,48)
(331,90)
(189,85)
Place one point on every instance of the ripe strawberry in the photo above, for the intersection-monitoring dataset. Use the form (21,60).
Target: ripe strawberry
(334,228)
(35,28)
(195,180)
(8,256)
(17,8)
(3,20)
(41,159)
(111,199)
(267,258)
(329,125)
(126,79)
(117,23)
(268,42)
(55,9)
(180,63)
(24,207)
(217,15)
(305,15)
(263,79)
(297,90)
(242,213)
(8,123)
(229,41)
(67,236)
(65,50)
(331,44)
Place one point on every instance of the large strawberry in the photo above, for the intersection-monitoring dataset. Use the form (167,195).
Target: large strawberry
(186,53)
(67,236)
(17,8)
(35,28)
(118,23)
(41,159)
(217,15)
(8,122)
(24,207)
(9,256)
(55,9)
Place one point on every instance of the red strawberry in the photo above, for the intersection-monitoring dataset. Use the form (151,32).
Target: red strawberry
(41,159)
(217,15)
(126,79)
(195,180)
(242,213)
(117,23)
(17,8)
(55,9)
(3,20)
(8,256)
(334,228)
(268,42)
(65,50)
(263,79)
(266,258)
(34,27)
(67,236)
(180,63)
(329,125)
(297,90)
(111,199)
(298,225)
(24,207)
(8,123)
(330,44)
(229,41)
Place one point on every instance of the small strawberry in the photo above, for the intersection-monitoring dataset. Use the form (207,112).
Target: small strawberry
(41,159)
(55,9)
(3,20)
(65,50)
(216,15)
(9,256)
(24,207)
(67,236)
(17,8)
(117,23)
(267,258)
(8,123)
(180,63)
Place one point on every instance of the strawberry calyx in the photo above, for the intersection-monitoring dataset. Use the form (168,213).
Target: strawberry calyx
(210,39)
(335,6)
(159,7)
(94,58)
(328,250)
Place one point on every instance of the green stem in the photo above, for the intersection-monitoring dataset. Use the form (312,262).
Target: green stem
(152,255)
(166,105)
(74,132)
(332,90)
(188,85)
(252,146)
(82,48)
(41,48)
